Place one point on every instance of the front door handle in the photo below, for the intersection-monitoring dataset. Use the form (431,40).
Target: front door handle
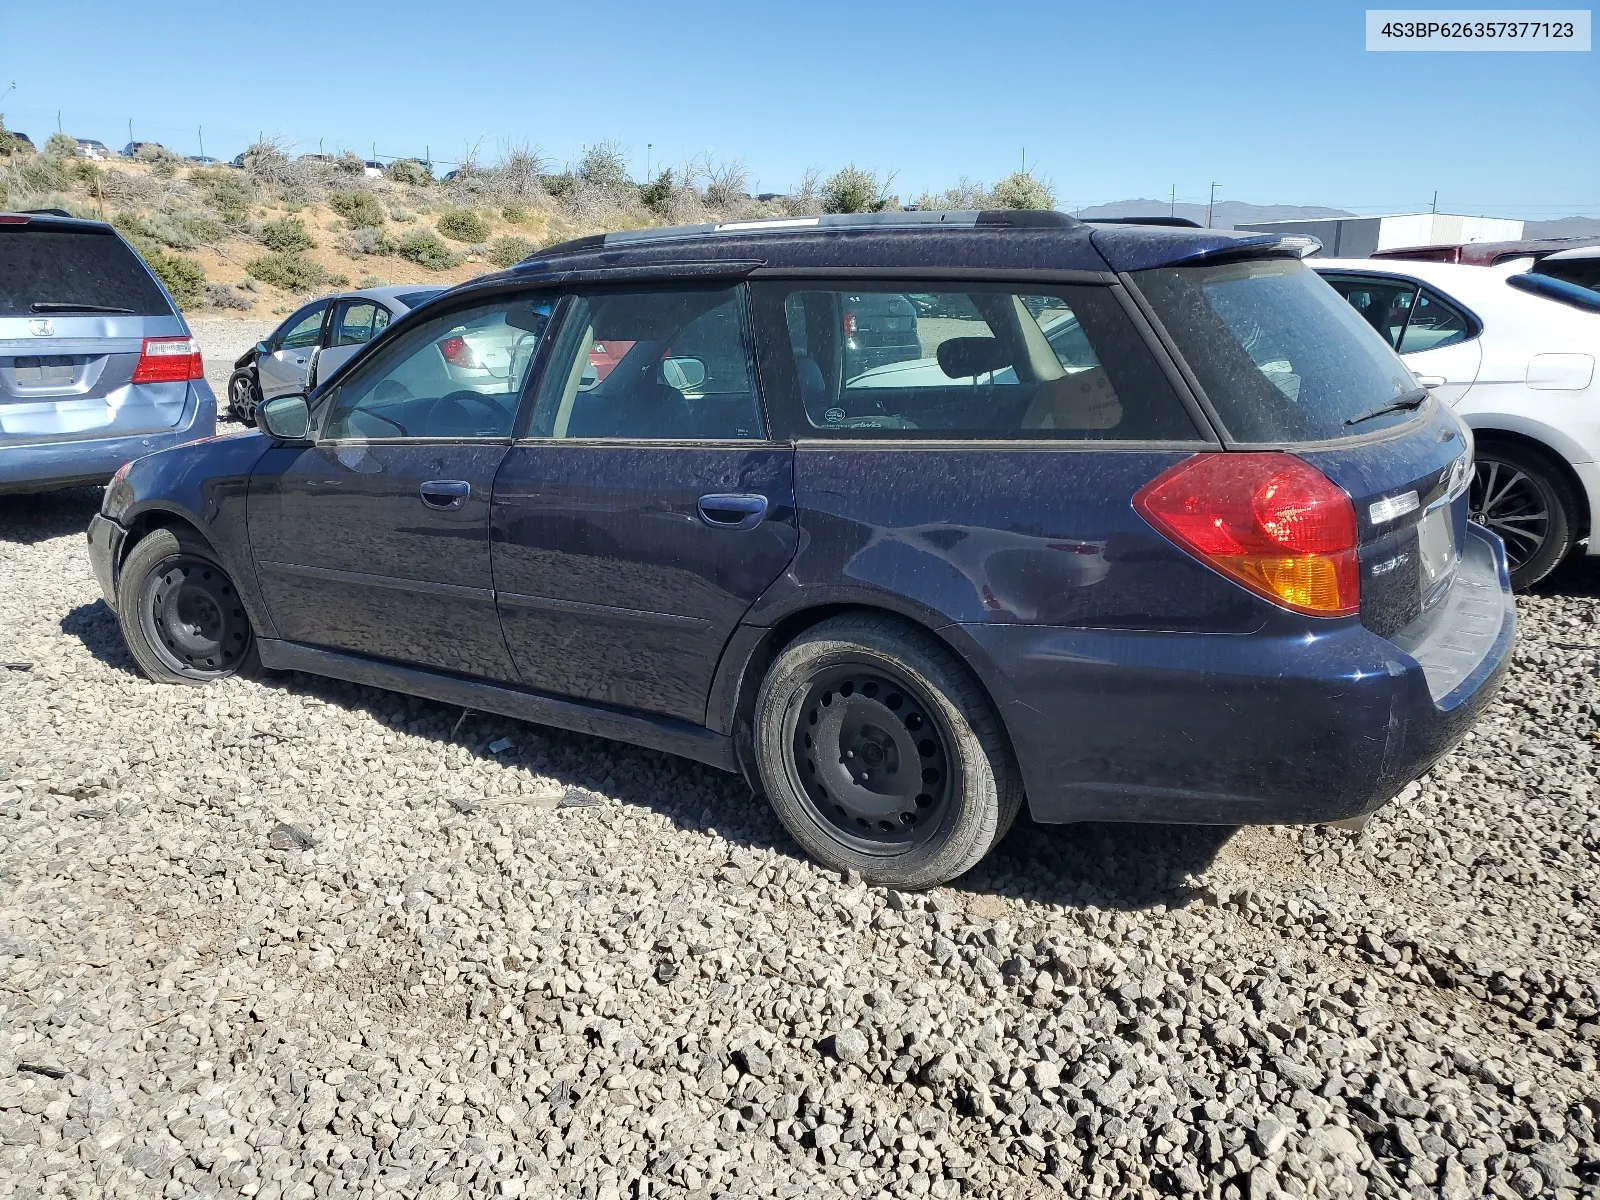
(733,511)
(445,494)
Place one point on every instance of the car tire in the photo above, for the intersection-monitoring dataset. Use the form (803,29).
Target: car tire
(881,754)
(181,616)
(244,393)
(1522,494)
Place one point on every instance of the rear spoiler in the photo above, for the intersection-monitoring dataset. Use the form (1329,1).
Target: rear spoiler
(1140,247)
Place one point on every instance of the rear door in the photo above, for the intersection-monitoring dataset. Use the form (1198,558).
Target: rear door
(647,508)
(75,307)
(286,367)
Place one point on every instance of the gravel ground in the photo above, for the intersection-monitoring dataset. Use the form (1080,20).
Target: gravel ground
(294,938)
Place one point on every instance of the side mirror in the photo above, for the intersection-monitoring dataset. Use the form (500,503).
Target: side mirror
(285,418)
(261,348)
(685,374)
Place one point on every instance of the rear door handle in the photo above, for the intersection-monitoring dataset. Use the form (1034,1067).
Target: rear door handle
(738,510)
(445,493)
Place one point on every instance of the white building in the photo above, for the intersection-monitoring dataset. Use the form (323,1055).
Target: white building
(1357,237)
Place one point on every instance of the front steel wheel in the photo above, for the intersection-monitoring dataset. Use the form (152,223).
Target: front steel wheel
(243,396)
(181,615)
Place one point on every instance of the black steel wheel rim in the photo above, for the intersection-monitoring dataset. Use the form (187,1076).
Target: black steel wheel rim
(871,758)
(1506,500)
(193,617)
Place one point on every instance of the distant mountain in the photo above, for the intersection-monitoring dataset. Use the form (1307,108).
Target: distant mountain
(1225,215)
(1565,227)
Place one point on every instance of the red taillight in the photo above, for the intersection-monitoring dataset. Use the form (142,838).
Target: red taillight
(457,353)
(1272,522)
(12,219)
(849,324)
(169,360)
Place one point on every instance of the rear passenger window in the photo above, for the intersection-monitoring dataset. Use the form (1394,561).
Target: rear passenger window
(1434,323)
(666,365)
(977,363)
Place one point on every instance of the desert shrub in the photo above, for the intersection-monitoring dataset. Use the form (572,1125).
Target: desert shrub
(228,192)
(400,215)
(222,295)
(508,251)
(267,164)
(559,187)
(723,183)
(371,281)
(964,195)
(519,172)
(202,228)
(286,235)
(657,194)
(351,163)
(40,173)
(423,247)
(128,190)
(408,171)
(156,228)
(463,225)
(365,241)
(291,270)
(1022,190)
(82,171)
(361,209)
(514,211)
(339,280)
(61,146)
(604,165)
(9,142)
(853,190)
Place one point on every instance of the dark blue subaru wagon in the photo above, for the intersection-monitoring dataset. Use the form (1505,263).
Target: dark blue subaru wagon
(1143,524)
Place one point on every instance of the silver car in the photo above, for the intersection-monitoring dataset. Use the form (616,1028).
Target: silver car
(96,366)
(314,341)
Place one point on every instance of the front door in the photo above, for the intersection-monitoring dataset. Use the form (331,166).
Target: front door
(375,540)
(647,510)
(286,366)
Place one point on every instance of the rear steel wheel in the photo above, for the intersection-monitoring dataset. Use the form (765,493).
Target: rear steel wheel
(881,754)
(872,757)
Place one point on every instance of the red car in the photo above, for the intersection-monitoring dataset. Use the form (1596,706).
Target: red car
(1487,254)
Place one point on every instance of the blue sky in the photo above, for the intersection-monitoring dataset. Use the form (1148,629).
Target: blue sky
(1279,103)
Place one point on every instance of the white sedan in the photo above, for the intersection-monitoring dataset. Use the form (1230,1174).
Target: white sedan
(1517,363)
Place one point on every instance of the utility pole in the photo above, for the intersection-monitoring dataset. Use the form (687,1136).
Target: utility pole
(648,146)
(130,131)
(1211,203)
(200,129)
(1435,199)
(319,147)
(1172,205)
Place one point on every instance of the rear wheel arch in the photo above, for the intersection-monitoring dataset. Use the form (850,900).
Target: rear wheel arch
(1485,437)
(784,632)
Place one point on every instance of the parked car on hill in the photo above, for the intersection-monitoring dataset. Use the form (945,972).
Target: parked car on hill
(314,341)
(97,366)
(1517,366)
(89,148)
(132,149)
(1231,581)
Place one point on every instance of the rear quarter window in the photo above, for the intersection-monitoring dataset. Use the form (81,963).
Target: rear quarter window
(44,266)
(1282,356)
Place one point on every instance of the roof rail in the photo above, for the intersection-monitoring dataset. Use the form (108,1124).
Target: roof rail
(824,223)
(1172,222)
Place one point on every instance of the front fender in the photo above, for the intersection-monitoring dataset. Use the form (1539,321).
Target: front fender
(205,484)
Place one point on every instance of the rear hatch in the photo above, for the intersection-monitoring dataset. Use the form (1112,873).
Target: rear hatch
(76,304)
(1286,364)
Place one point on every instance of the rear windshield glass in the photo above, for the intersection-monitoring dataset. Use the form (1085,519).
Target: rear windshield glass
(413,299)
(49,270)
(1282,356)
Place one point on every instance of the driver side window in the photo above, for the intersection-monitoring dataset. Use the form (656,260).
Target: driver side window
(300,331)
(459,375)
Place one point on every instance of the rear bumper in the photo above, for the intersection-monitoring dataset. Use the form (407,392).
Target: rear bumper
(1302,727)
(48,465)
(105,554)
